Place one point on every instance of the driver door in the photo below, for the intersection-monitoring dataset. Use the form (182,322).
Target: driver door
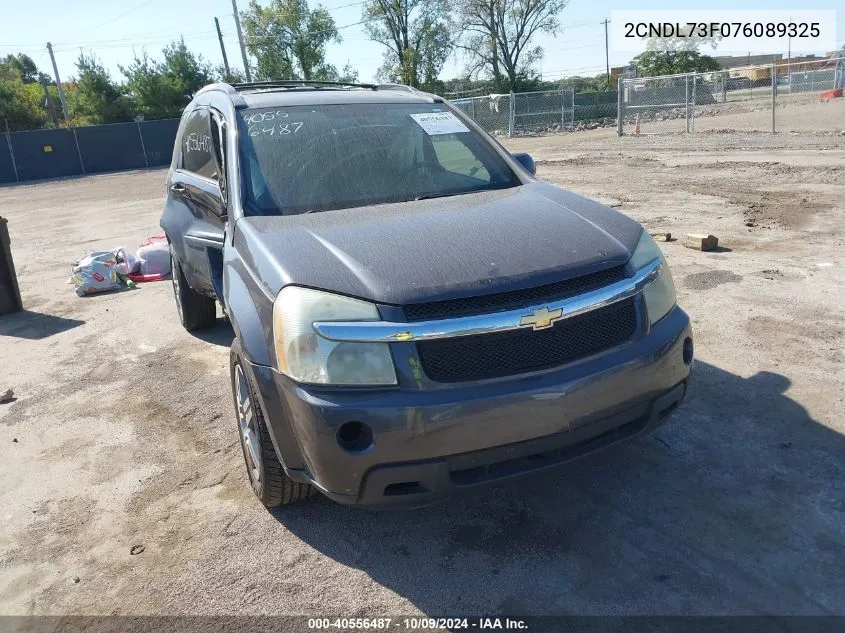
(199,185)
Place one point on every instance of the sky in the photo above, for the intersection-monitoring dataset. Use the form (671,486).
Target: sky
(116,31)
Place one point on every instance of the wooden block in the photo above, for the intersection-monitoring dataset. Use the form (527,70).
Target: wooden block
(660,236)
(700,241)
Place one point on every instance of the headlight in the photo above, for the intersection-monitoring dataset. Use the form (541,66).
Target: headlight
(659,295)
(305,356)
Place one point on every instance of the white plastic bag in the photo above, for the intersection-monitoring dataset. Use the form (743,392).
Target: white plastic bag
(154,256)
(95,272)
(126,261)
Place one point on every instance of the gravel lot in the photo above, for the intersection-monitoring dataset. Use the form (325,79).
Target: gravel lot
(123,432)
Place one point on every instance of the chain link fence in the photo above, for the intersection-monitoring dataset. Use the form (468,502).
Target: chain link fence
(491,112)
(780,97)
(542,111)
(522,113)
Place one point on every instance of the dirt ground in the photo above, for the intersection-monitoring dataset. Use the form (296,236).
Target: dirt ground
(123,434)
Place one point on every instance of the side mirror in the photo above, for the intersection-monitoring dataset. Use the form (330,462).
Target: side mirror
(526,161)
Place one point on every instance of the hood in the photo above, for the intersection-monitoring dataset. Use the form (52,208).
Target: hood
(443,248)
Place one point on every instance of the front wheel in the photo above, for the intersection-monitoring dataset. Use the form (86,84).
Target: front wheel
(196,311)
(266,475)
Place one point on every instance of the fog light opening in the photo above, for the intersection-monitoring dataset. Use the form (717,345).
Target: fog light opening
(355,437)
(687,351)
(404,488)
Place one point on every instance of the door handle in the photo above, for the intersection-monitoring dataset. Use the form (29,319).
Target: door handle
(179,189)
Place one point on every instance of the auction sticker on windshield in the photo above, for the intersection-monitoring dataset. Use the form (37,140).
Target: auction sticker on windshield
(439,123)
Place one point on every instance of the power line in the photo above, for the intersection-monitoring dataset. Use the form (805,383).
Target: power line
(114,19)
(138,38)
(573,71)
(320,32)
(141,43)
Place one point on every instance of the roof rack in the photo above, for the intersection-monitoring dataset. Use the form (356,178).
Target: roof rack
(395,86)
(300,83)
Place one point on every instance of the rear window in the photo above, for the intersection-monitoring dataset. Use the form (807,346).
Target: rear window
(314,158)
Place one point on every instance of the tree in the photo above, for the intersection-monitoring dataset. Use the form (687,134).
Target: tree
(234,76)
(347,74)
(497,36)
(20,105)
(188,71)
(96,98)
(653,63)
(21,102)
(162,89)
(25,67)
(675,55)
(289,39)
(417,36)
(154,95)
(580,84)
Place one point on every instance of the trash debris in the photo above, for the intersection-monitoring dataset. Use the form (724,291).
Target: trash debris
(127,262)
(76,580)
(136,549)
(142,278)
(95,272)
(154,256)
(102,271)
(661,236)
(14,440)
(700,241)
(7,397)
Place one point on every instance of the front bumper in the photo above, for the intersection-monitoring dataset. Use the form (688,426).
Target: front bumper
(428,443)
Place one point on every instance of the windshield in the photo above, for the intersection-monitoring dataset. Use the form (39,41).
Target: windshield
(315,158)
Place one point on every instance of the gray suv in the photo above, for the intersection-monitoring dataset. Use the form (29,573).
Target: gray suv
(414,313)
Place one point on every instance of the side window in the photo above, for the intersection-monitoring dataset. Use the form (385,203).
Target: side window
(218,144)
(197,146)
(457,158)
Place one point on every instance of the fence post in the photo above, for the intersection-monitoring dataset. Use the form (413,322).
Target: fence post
(78,151)
(620,106)
(725,87)
(774,93)
(686,99)
(11,151)
(562,108)
(511,115)
(694,83)
(143,147)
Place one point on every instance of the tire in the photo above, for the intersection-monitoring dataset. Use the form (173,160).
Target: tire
(196,311)
(266,475)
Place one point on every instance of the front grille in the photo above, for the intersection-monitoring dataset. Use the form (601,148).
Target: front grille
(524,350)
(500,301)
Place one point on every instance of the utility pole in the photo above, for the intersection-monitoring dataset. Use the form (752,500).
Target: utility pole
(789,61)
(222,48)
(59,80)
(606,52)
(241,40)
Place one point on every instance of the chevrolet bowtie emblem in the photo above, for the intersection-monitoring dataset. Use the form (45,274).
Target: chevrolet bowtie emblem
(541,318)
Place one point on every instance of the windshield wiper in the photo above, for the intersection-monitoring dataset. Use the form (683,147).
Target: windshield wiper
(445,194)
